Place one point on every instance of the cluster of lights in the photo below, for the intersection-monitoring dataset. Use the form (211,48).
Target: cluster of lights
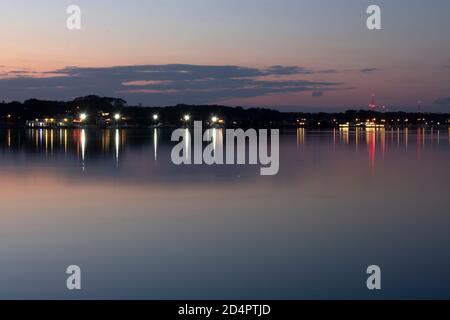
(117,117)
(84,116)
(369,122)
(187,118)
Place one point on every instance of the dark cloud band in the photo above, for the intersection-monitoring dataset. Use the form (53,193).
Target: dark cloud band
(163,84)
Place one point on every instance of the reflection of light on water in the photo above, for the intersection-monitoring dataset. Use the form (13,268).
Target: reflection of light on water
(218,144)
(38,139)
(46,140)
(423,139)
(65,141)
(60,136)
(371,145)
(83,146)
(379,140)
(106,140)
(219,138)
(9,138)
(155,143)
(383,142)
(123,137)
(301,136)
(214,138)
(406,138)
(187,140)
(357,138)
(51,140)
(117,144)
(344,132)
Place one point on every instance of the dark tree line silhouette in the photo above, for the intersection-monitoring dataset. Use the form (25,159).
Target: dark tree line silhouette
(17,113)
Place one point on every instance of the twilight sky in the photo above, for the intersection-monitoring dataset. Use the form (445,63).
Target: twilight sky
(289,54)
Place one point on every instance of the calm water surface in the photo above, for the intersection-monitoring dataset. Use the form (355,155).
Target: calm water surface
(112,202)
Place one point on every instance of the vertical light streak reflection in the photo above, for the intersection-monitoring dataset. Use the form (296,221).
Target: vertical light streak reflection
(371,146)
(214,139)
(37,134)
(301,136)
(383,142)
(406,138)
(60,136)
(117,145)
(155,143)
(46,140)
(344,132)
(217,136)
(9,138)
(357,132)
(65,142)
(423,140)
(398,138)
(51,140)
(187,139)
(83,147)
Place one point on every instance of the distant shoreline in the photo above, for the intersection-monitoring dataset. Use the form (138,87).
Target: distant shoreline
(104,112)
